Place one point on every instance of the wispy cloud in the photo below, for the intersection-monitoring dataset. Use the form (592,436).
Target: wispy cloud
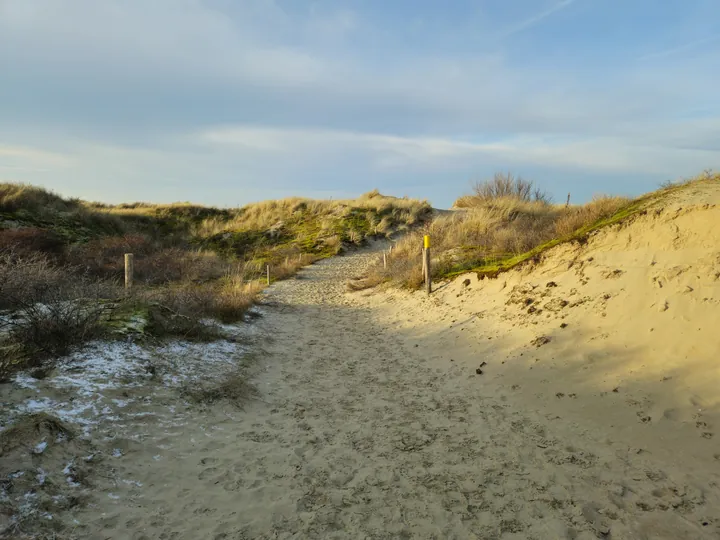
(537,18)
(16,153)
(680,48)
(382,151)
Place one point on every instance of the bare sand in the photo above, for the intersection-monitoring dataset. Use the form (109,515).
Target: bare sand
(374,423)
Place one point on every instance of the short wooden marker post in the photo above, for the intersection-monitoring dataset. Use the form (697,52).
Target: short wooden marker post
(129,268)
(384,261)
(268,274)
(426,263)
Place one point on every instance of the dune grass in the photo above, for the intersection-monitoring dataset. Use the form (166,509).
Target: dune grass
(61,261)
(504,223)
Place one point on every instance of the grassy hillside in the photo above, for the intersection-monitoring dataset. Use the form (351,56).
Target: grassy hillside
(504,223)
(191,262)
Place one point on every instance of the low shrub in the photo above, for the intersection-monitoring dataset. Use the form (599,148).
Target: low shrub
(28,241)
(27,279)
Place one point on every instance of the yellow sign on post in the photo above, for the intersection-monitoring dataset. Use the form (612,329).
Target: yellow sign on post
(426,241)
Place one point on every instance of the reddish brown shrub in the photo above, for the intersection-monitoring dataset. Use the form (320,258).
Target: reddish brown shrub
(104,257)
(29,240)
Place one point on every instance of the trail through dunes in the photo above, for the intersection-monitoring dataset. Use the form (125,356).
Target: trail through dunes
(373,423)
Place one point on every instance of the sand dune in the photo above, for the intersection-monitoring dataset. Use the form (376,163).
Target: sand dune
(572,399)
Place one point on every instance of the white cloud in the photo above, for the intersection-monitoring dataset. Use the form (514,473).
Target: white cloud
(596,154)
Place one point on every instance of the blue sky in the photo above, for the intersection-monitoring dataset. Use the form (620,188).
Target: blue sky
(230,101)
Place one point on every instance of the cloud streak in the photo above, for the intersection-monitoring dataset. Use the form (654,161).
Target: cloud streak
(679,49)
(537,18)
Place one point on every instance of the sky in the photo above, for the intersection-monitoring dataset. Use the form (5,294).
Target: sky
(226,102)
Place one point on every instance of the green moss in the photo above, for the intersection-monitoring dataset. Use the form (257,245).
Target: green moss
(127,319)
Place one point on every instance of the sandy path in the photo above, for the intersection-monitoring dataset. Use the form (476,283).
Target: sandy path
(365,431)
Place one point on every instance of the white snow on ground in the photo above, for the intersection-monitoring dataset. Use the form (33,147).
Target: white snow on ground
(88,386)
(117,393)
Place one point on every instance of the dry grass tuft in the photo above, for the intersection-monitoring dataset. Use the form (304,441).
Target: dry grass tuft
(502,220)
(576,217)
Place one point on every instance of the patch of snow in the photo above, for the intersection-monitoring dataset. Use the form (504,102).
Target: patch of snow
(24,380)
(16,474)
(113,496)
(117,452)
(40,448)
(157,457)
(122,403)
(132,483)
(84,387)
(71,482)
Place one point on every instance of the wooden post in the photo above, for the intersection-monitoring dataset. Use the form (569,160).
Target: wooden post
(423,263)
(384,261)
(390,251)
(568,201)
(268,274)
(129,267)
(426,264)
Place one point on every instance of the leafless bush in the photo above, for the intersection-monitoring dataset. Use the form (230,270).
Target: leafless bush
(53,310)
(154,264)
(503,186)
(60,319)
(186,310)
(27,279)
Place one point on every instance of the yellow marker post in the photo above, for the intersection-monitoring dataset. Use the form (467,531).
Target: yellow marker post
(426,263)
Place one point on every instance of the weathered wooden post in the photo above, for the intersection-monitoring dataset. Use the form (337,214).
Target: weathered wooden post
(384,261)
(129,268)
(268,274)
(390,250)
(426,264)
(568,201)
